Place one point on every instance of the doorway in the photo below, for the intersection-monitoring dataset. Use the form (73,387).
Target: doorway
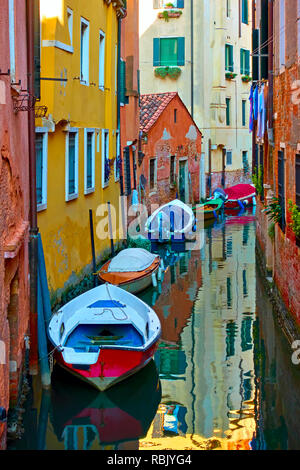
(183,181)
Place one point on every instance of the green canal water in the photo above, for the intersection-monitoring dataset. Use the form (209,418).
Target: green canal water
(222,377)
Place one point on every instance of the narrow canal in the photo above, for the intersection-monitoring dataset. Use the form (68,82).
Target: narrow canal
(222,376)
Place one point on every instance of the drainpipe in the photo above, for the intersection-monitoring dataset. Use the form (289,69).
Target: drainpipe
(33,231)
(192,58)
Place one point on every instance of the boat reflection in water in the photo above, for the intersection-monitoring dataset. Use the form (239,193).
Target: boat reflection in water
(116,419)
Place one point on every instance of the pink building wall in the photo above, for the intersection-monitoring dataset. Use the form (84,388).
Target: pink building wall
(14,213)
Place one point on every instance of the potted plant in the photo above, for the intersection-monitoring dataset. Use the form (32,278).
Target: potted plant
(230,75)
(246,78)
(173,72)
(274,210)
(169,14)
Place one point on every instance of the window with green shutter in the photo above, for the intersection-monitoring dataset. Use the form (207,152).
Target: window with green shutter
(245,13)
(169,51)
(123,98)
(243,113)
(227,111)
(245,62)
(229,66)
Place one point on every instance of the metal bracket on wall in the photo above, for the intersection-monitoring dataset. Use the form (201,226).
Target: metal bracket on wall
(5,73)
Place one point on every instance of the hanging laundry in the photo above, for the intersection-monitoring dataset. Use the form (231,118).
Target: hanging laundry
(251,110)
(261,114)
(255,103)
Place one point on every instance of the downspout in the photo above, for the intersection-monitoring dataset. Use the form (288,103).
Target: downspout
(33,231)
(192,58)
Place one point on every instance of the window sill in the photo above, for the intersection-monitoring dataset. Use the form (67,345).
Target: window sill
(83,82)
(41,207)
(71,197)
(89,191)
(105,185)
(101,88)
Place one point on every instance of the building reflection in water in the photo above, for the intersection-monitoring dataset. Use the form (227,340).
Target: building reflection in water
(206,359)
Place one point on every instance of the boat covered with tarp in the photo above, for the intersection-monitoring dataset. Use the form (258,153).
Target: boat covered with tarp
(240,195)
(174,221)
(133,269)
(104,335)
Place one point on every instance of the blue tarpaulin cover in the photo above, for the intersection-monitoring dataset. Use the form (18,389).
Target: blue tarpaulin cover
(106,304)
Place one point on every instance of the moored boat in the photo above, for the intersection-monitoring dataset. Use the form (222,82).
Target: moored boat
(174,221)
(240,196)
(133,269)
(104,335)
(211,209)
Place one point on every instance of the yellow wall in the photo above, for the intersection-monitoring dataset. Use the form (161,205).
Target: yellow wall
(64,226)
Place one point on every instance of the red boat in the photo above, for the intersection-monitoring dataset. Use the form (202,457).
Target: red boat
(240,196)
(104,335)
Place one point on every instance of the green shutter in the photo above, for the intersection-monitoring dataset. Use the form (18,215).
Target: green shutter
(231,65)
(180,3)
(122,82)
(156,52)
(245,11)
(247,71)
(242,61)
(181,51)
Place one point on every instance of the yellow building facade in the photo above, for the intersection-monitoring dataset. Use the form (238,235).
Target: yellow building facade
(77,142)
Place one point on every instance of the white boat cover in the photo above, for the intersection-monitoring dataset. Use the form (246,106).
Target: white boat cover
(131,260)
(183,216)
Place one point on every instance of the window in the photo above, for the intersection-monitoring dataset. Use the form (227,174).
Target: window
(244,113)
(169,51)
(229,157)
(229,66)
(70,24)
(281,187)
(298,180)
(101,60)
(245,163)
(41,148)
(162,3)
(122,86)
(152,173)
(105,158)
(84,52)
(89,161)
(12,52)
(175,116)
(172,169)
(228,8)
(245,13)
(71,165)
(118,156)
(228,102)
(245,62)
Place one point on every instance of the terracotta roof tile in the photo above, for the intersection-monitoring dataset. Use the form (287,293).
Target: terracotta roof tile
(151,108)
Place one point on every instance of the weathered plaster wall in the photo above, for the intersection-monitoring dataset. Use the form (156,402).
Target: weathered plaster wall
(165,139)
(14,212)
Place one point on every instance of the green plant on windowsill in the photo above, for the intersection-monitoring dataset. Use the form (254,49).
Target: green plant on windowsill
(169,5)
(230,75)
(162,72)
(295,214)
(257,180)
(246,78)
(167,14)
(274,210)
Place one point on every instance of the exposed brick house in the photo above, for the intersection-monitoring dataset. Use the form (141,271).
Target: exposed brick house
(171,144)
(14,205)
(279,156)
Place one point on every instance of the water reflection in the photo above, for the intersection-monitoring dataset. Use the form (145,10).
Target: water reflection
(226,378)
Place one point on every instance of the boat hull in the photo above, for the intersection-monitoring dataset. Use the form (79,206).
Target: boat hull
(132,282)
(112,367)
